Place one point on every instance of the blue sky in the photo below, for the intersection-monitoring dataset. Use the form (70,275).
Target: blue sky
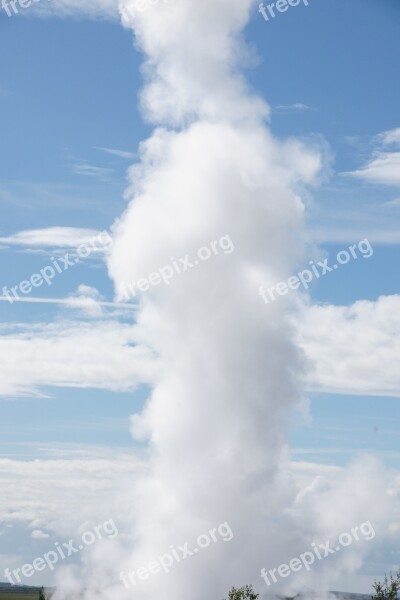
(69,99)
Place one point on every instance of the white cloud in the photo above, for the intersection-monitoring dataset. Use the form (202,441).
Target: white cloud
(355,349)
(90,9)
(89,305)
(38,493)
(38,534)
(395,202)
(66,496)
(391,137)
(97,354)
(115,152)
(384,166)
(297,106)
(52,237)
(87,170)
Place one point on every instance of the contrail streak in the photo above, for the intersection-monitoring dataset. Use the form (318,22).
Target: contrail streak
(69,302)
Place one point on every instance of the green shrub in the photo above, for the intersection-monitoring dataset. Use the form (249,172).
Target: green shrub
(388,589)
(244,593)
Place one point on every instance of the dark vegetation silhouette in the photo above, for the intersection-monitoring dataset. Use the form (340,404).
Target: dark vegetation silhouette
(42,595)
(388,589)
(244,593)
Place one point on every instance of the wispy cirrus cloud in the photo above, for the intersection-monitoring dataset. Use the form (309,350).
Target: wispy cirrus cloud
(90,9)
(33,195)
(384,169)
(391,137)
(395,202)
(116,152)
(384,166)
(84,302)
(87,170)
(51,237)
(298,106)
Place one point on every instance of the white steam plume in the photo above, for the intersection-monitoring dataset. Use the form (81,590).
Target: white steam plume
(215,421)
